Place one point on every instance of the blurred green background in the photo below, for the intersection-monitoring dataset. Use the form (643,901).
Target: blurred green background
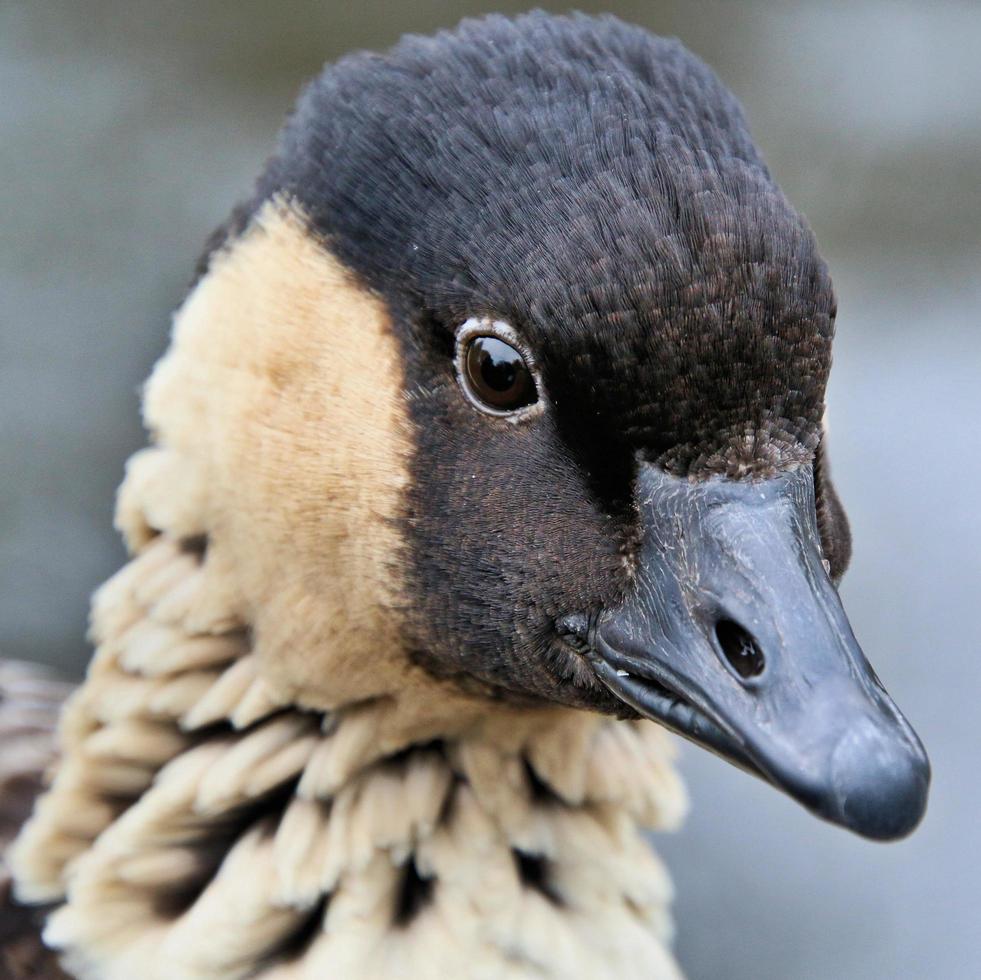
(127,131)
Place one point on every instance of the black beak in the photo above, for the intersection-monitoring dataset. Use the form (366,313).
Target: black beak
(734,636)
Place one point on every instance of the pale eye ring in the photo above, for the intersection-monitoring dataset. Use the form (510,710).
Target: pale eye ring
(495,369)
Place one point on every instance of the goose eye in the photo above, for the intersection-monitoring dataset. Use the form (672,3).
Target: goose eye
(497,375)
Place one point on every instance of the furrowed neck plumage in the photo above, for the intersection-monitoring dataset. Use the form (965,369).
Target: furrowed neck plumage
(256,780)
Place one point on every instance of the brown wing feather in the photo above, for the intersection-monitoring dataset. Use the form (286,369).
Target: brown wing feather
(30,701)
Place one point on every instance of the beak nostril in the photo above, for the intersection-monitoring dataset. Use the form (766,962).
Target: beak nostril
(740,649)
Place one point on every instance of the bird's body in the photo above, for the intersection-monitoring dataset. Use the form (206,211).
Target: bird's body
(30,700)
(499,400)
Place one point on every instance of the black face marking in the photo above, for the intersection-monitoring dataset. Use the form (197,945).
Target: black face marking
(597,188)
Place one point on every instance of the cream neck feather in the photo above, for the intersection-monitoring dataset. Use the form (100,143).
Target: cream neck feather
(198,828)
(254,782)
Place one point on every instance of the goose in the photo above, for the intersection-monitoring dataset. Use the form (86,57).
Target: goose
(487,452)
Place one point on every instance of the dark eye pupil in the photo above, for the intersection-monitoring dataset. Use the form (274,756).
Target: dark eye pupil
(499,368)
(498,375)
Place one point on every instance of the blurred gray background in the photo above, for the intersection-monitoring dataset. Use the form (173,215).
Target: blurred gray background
(128,128)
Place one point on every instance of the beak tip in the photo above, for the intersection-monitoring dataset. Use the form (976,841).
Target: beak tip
(881,785)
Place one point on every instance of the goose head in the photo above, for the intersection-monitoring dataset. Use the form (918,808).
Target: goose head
(550,347)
